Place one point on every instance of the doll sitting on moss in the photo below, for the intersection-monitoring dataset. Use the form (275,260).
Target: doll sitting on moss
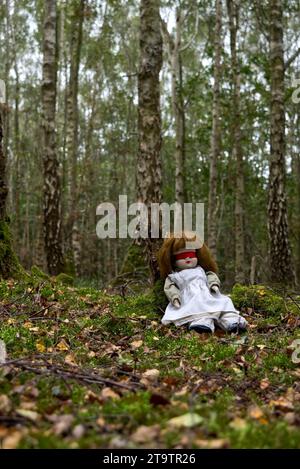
(192,287)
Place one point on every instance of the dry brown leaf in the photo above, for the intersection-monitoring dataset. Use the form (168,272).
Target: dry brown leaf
(70,359)
(136,344)
(282,403)
(151,375)
(62,424)
(145,433)
(217,443)
(5,404)
(62,346)
(28,414)
(12,440)
(264,384)
(108,393)
(255,412)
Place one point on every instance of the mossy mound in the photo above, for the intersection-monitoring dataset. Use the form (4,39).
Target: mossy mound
(262,299)
(160,299)
(9,264)
(65,279)
(135,274)
(38,273)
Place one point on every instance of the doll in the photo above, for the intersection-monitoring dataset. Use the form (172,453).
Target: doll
(192,287)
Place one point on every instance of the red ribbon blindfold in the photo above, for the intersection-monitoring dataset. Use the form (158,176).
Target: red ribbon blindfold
(185,255)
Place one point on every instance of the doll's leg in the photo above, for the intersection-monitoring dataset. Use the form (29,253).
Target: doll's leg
(232,322)
(204,324)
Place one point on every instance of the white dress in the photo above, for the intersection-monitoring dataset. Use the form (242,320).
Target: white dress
(195,297)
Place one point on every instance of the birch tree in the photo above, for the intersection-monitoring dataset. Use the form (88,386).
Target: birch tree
(72,128)
(215,136)
(51,200)
(148,175)
(280,251)
(233,8)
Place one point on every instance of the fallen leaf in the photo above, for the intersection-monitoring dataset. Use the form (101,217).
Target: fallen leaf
(78,431)
(145,433)
(5,404)
(151,374)
(40,346)
(136,344)
(70,359)
(62,346)
(264,384)
(108,393)
(217,443)
(28,414)
(255,412)
(187,420)
(62,424)
(12,440)
(282,403)
(238,424)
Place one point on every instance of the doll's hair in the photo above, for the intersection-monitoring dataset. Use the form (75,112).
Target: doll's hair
(171,244)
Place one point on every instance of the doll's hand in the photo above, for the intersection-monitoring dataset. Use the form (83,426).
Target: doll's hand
(215,289)
(176,303)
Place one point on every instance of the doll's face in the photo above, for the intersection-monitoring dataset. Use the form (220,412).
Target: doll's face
(186,259)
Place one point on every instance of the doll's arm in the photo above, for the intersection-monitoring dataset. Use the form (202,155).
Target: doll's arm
(213,281)
(172,292)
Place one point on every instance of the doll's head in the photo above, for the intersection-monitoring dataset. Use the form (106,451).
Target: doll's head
(184,252)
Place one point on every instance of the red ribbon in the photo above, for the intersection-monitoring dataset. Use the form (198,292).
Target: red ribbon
(185,255)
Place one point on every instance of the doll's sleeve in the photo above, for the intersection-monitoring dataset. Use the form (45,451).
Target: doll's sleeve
(171,290)
(212,279)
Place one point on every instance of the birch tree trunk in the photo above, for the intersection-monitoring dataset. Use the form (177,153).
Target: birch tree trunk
(52,218)
(148,176)
(280,251)
(215,137)
(72,129)
(233,13)
(173,46)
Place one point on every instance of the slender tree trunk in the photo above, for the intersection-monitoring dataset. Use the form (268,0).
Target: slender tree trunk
(233,13)
(52,218)
(9,265)
(178,112)
(174,57)
(3,186)
(149,116)
(215,137)
(280,251)
(72,128)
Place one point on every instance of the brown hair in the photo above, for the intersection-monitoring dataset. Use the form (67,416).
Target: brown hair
(171,244)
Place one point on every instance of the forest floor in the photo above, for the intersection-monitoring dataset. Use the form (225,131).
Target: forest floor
(86,369)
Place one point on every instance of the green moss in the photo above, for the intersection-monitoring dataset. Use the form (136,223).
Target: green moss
(9,264)
(160,298)
(135,273)
(65,279)
(260,298)
(38,273)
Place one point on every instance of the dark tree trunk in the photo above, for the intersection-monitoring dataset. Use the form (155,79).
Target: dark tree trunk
(280,251)
(149,116)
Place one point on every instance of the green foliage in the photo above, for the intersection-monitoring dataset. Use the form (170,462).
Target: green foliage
(65,279)
(262,299)
(9,264)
